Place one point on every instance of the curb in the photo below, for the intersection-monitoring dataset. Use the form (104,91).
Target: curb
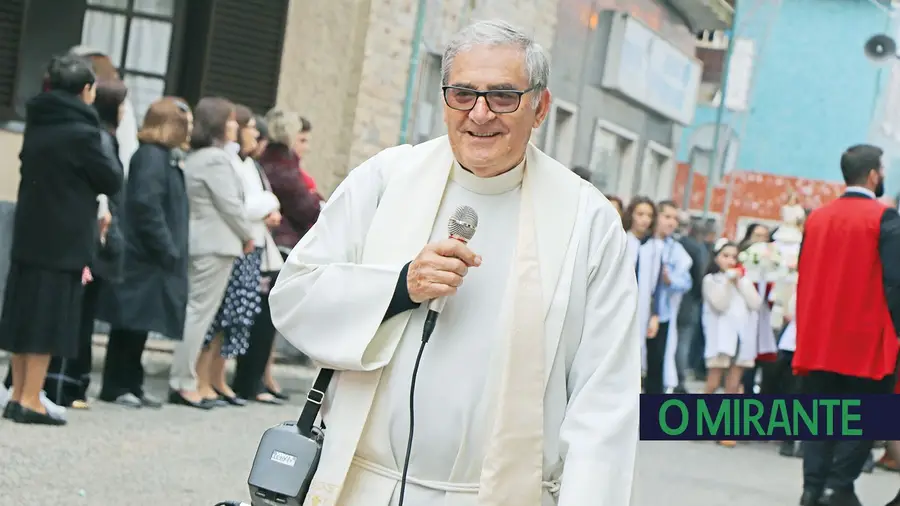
(167,346)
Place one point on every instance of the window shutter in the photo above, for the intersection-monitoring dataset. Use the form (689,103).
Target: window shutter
(243,56)
(12,19)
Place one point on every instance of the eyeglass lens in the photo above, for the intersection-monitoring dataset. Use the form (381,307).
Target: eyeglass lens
(498,101)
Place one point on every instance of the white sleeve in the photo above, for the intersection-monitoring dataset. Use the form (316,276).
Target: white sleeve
(325,302)
(717,292)
(599,434)
(260,204)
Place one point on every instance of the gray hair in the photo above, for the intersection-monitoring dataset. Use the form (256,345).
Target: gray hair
(284,125)
(500,33)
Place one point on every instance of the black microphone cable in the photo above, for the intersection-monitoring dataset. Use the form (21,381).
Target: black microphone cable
(427,329)
(461,227)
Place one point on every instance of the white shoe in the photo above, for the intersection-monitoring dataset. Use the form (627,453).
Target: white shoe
(51,407)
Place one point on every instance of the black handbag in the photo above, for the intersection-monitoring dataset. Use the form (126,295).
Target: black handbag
(288,454)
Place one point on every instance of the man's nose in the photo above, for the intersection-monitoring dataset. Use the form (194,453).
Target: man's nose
(481,113)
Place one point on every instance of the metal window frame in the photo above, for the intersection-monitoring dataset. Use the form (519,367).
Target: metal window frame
(176,20)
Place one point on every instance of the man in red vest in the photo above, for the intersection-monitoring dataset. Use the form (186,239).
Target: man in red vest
(848,305)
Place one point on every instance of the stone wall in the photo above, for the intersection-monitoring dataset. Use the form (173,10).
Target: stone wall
(10,145)
(323,51)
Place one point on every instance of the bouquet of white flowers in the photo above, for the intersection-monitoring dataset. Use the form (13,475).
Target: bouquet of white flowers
(763,262)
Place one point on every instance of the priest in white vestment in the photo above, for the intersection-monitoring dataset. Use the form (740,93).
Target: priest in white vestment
(528,390)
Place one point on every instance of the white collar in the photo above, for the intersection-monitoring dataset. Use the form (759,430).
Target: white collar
(501,183)
(860,189)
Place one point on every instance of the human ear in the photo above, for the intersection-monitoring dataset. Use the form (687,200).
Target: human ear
(543,108)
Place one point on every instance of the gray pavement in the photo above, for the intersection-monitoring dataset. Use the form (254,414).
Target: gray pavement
(176,456)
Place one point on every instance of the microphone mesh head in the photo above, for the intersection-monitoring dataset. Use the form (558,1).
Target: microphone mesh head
(463,223)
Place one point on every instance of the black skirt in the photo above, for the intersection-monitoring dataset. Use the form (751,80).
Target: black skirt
(41,311)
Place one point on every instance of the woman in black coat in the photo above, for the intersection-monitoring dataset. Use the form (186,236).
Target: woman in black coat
(68,379)
(152,295)
(64,168)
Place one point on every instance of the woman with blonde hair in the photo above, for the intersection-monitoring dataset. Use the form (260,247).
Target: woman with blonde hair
(153,292)
(289,135)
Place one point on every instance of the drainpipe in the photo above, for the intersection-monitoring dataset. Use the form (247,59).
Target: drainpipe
(720,112)
(413,71)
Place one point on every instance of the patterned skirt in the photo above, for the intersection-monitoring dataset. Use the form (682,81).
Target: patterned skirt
(240,306)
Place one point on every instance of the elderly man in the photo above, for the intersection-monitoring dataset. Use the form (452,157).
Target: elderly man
(528,389)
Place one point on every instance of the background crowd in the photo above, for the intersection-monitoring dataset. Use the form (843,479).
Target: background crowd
(177,227)
(192,225)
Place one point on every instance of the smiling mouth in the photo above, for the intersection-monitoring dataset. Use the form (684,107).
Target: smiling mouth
(485,135)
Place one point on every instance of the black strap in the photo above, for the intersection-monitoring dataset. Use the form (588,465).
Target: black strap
(314,399)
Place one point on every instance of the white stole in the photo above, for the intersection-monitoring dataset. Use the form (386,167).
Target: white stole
(417,181)
(512,472)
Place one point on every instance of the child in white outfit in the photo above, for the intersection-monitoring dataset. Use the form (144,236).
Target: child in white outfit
(728,299)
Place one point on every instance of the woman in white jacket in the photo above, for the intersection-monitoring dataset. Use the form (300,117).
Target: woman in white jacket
(229,334)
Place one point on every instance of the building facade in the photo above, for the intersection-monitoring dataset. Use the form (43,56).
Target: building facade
(625,82)
(347,62)
(343,64)
(799,91)
(191,49)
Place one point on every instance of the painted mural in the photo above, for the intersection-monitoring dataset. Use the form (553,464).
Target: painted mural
(754,195)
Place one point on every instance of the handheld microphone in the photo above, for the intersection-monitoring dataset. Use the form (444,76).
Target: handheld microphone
(461,227)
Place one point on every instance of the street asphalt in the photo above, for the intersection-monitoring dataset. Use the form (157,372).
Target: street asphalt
(176,456)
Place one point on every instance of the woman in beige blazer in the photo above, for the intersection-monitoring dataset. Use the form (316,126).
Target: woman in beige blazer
(229,336)
(219,234)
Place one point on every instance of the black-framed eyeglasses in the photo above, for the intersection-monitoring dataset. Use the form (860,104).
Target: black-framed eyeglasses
(498,101)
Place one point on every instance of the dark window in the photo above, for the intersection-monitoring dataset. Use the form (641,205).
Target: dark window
(233,48)
(138,36)
(235,51)
(31,32)
(12,16)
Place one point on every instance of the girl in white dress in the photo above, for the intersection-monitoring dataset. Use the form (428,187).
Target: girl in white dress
(728,300)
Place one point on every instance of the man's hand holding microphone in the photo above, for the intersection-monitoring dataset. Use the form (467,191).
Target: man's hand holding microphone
(438,270)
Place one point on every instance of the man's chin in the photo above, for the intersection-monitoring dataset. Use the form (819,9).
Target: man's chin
(475,156)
